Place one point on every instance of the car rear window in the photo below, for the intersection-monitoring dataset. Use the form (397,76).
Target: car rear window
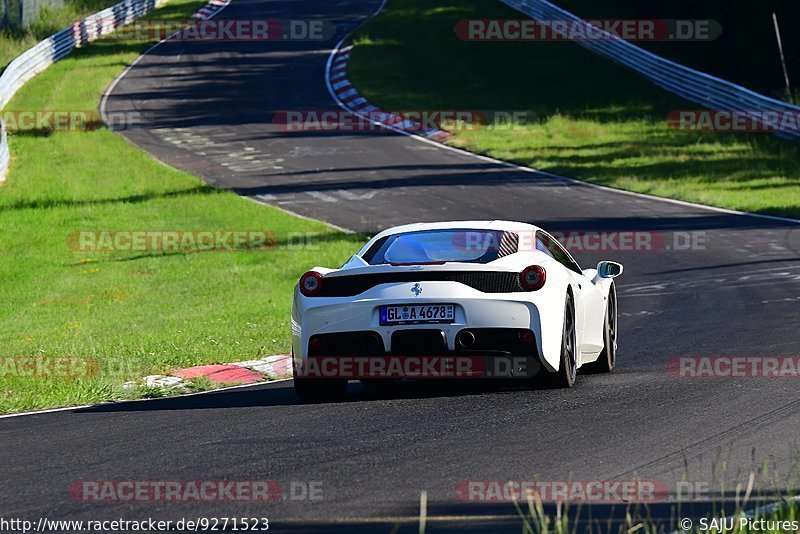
(438,246)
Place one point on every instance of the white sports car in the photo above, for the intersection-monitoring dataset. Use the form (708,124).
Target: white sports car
(452,299)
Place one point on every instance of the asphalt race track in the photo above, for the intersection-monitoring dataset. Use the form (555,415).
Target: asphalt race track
(210,108)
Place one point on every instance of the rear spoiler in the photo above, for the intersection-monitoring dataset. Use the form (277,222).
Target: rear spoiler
(354,261)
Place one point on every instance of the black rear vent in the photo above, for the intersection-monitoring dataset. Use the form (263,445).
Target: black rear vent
(486,282)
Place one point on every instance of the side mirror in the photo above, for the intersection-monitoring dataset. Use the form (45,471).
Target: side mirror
(609,269)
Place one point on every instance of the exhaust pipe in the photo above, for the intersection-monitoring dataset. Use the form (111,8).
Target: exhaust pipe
(466,339)
(372,341)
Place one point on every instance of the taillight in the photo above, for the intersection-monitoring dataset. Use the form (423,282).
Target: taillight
(532,278)
(526,336)
(310,283)
(315,343)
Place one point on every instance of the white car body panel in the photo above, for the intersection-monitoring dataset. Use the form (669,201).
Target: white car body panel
(541,311)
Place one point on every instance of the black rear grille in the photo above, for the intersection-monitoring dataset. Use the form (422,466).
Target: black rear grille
(486,282)
(507,340)
(419,343)
(345,344)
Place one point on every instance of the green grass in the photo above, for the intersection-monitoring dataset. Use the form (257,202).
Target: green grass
(596,121)
(536,520)
(755,497)
(138,314)
(746,51)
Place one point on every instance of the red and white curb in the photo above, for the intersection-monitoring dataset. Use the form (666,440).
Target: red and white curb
(354,102)
(345,95)
(248,372)
(238,373)
(274,366)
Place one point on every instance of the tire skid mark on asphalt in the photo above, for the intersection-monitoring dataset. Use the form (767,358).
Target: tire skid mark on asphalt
(324,197)
(665,462)
(785,299)
(238,159)
(338,60)
(633,200)
(641,313)
(777,275)
(331,197)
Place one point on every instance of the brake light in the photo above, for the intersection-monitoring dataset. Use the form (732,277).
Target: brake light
(532,278)
(315,343)
(310,283)
(527,337)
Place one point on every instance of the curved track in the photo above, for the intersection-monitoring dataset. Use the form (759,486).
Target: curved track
(208,106)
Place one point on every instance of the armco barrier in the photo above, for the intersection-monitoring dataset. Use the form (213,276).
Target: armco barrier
(36,59)
(693,85)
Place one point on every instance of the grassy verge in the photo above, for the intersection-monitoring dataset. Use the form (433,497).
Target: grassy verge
(535,520)
(764,502)
(745,51)
(595,120)
(139,313)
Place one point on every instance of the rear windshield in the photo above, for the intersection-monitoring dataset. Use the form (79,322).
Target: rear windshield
(437,246)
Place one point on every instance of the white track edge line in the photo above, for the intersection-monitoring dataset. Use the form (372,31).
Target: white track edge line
(341,104)
(341,229)
(127,69)
(523,168)
(104,117)
(116,403)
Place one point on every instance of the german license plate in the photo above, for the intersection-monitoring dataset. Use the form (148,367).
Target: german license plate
(418,314)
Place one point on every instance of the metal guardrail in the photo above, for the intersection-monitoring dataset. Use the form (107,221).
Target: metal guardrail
(45,53)
(695,86)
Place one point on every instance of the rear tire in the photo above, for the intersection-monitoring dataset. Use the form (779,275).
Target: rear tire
(567,365)
(608,357)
